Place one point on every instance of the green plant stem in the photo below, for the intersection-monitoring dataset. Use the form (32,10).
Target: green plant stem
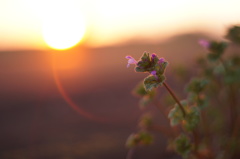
(234,118)
(207,134)
(204,125)
(175,98)
(232,138)
(130,153)
(233,110)
(232,101)
(196,139)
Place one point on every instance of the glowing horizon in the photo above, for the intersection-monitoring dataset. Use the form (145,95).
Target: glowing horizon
(111,22)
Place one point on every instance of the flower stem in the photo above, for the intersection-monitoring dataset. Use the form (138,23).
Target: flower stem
(232,100)
(130,153)
(175,98)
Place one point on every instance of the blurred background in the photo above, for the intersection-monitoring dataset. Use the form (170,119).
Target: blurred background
(65,91)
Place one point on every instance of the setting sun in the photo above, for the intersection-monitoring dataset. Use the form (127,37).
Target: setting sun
(63,25)
(63,33)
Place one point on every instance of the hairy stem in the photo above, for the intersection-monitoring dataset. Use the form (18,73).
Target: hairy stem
(130,153)
(175,98)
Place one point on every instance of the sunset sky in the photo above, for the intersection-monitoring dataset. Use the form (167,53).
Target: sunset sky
(32,24)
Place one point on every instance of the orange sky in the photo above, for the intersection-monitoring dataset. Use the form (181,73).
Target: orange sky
(108,22)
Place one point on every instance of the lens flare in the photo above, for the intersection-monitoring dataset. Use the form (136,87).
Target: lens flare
(68,99)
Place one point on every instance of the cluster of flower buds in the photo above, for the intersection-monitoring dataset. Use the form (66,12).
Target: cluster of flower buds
(216,49)
(150,64)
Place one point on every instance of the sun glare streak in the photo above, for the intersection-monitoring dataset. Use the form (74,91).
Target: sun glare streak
(68,99)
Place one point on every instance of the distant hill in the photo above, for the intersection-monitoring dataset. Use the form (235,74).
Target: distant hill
(29,70)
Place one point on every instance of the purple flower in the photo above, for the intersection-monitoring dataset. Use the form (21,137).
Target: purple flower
(154,73)
(153,56)
(131,60)
(161,60)
(204,43)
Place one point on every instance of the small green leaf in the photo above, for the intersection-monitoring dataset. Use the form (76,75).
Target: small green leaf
(132,140)
(151,82)
(197,85)
(146,121)
(192,119)
(146,96)
(175,115)
(139,90)
(138,139)
(154,59)
(146,100)
(234,34)
(218,48)
(192,97)
(183,145)
(145,57)
(140,69)
(199,99)
(160,68)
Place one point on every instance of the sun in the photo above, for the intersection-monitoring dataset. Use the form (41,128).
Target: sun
(63,26)
(63,33)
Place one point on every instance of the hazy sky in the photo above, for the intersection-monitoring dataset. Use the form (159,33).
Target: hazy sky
(111,21)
